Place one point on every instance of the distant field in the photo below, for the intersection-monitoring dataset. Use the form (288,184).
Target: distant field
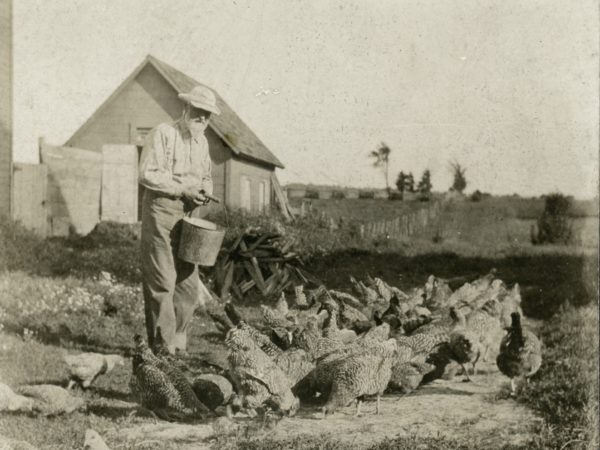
(381,209)
(363,210)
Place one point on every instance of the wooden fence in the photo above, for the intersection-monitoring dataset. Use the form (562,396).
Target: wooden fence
(404,225)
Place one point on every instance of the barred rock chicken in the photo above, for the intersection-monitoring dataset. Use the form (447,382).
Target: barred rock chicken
(359,375)
(485,324)
(256,376)
(346,298)
(296,364)
(259,338)
(464,345)
(520,353)
(408,371)
(85,368)
(437,292)
(330,327)
(309,339)
(379,333)
(423,343)
(280,321)
(510,302)
(161,388)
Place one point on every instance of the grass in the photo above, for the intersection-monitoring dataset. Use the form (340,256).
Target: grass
(53,299)
(565,390)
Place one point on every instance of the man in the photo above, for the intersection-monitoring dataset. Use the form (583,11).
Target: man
(175,169)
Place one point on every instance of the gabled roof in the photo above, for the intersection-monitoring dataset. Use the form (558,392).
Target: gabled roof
(228,126)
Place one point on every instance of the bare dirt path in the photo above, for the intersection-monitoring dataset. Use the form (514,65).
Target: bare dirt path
(479,410)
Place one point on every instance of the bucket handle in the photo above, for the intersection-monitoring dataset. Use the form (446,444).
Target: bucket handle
(211,198)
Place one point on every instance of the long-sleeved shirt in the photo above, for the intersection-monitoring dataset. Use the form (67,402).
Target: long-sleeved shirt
(172,159)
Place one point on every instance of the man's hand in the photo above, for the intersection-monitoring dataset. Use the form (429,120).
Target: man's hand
(201,199)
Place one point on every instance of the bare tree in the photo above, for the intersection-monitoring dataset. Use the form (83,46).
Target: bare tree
(381,158)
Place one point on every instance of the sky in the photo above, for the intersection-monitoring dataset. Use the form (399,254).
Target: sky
(506,88)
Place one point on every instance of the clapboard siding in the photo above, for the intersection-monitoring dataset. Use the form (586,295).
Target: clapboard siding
(144,103)
(5,105)
(238,169)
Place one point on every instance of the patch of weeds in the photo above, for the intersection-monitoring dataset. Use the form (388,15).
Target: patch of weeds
(565,390)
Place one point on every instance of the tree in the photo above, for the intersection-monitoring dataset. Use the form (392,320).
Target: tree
(401,183)
(410,183)
(424,186)
(382,160)
(555,224)
(460,182)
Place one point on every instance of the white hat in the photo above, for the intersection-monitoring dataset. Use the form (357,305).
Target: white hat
(203,98)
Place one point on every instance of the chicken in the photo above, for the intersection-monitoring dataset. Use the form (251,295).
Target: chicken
(464,345)
(257,377)
(51,400)
(330,327)
(485,324)
(423,343)
(379,333)
(12,402)
(262,340)
(310,340)
(85,368)
(408,375)
(161,388)
(296,364)
(437,293)
(279,321)
(346,298)
(359,375)
(93,441)
(278,317)
(300,297)
(510,302)
(520,353)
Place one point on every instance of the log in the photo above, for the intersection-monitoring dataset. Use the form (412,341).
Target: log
(212,390)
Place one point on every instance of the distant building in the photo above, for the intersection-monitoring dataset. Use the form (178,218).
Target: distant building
(243,167)
(5,107)
(381,193)
(351,193)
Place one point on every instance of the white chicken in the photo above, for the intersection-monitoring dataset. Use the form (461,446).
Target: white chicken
(86,367)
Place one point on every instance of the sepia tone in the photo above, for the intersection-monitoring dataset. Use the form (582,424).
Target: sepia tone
(310,225)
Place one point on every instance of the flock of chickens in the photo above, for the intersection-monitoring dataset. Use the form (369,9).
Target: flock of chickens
(333,348)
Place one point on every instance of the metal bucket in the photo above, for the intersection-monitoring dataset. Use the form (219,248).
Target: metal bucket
(200,241)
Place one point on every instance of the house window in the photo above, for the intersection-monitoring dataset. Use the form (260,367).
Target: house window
(140,135)
(245,193)
(263,196)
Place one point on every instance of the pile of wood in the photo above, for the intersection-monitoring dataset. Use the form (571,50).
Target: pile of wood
(263,262)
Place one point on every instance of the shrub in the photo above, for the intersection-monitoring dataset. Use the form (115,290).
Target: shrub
(476,196)
(555,225)
(366,194)
(338,195)
(311,193)
(396,195)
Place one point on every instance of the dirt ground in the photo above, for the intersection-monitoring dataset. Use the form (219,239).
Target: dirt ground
(480,410)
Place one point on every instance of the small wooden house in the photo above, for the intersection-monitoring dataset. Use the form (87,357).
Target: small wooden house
(243,167)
